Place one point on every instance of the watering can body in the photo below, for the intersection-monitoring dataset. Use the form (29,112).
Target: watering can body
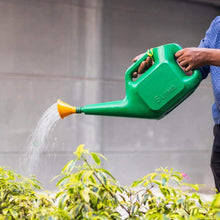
(155,93)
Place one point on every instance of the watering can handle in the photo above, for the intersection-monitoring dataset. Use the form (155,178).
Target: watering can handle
(134,67)
(171,49)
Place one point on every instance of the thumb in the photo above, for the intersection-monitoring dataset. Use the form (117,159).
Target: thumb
(137,57)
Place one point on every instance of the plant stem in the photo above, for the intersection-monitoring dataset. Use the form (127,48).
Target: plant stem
(112,195)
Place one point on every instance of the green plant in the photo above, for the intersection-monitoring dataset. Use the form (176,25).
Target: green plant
(17,194)
(87,191)
(91,191)
(161,197)
(20,198)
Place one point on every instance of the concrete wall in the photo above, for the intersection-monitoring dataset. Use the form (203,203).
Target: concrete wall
(78,51)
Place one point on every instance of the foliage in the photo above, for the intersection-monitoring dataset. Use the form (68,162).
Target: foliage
(17,195)
(90,192)
(87,191)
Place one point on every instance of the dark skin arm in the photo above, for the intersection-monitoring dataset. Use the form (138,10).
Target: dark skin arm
(193,57)
(188,59)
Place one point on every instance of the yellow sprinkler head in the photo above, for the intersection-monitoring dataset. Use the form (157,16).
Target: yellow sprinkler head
(65,109)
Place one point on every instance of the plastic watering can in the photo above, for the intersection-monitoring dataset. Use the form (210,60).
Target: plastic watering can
(153,95)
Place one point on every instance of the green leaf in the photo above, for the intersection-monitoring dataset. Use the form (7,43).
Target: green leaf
(68,168)
(165,190)
(92,179)
(107,172)
(138,198)
(62,202)
(194,186)
(79,175)
(13,213)
(77,209)
(134,209)
(153,176)
(176,180)
(136,183)
(87,175)
(96,158)
(101,155)
(178,176)
(79,151)
(5,211)
(123,198)
(85,195)
(157,182)
(216,201)
(62,181)
(58,194)
(146,196)
(103,178)
(55,177)
(164,181)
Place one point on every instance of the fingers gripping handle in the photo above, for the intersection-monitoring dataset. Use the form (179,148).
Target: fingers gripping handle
(134,67)
(195,76)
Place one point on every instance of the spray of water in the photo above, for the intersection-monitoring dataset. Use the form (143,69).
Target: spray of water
(38,140)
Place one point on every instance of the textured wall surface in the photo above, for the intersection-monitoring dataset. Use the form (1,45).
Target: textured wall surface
(78,50)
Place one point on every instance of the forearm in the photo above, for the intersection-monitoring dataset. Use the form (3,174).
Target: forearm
(213,57)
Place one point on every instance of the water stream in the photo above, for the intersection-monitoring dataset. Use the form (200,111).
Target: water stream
(38,141)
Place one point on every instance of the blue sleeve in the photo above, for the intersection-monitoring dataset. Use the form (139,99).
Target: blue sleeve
(205,69)
(209,42)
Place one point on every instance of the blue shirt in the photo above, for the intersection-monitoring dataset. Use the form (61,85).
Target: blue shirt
(212,40)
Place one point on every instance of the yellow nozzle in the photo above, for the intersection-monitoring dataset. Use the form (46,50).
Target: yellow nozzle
(65,109)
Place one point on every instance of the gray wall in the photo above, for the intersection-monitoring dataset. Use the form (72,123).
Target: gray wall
(78,51)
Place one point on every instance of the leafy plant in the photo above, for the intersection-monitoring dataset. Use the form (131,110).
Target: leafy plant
(91,191)
(17,194)
(88,191)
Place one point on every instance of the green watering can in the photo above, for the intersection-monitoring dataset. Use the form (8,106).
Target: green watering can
(153,95)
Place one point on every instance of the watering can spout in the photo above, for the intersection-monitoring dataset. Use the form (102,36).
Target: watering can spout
(65,109)
(116,108)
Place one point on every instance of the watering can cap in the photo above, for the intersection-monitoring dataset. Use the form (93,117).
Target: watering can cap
(65,109)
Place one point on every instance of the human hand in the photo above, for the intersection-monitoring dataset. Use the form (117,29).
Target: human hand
(191,58)
(144,66)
